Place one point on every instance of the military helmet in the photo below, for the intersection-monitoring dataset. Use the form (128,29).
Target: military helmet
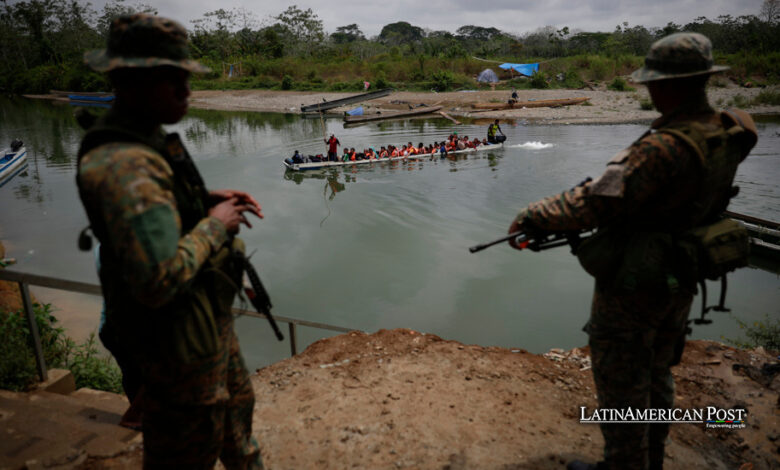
(676,56)
(142,40)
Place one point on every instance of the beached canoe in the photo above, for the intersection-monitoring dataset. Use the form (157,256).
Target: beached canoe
(320,165)
(12,161)
(530,104)
(325,105)
(391,115)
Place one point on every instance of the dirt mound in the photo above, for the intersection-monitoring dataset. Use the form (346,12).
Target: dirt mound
(402,399)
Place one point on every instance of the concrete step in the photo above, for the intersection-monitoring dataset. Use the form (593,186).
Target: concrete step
(56,429)
(106,401)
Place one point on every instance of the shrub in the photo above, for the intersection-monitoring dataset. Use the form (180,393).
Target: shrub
(619,84)
(380,82)
(92,370)
(287,82)
(646,104)
(539,80)
(18,370)
(762,333)
(442,80)
(771,97)
(739,101)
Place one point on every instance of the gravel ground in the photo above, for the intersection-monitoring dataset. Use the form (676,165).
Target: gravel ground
(604,106)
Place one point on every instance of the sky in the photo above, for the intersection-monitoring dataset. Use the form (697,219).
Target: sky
(511,16)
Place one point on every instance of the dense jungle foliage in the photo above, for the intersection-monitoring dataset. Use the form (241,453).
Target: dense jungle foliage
(42,43)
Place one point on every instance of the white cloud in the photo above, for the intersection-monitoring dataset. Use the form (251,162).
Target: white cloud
(513,16)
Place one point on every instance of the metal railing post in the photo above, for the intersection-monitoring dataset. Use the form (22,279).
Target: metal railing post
(293,338)
(33,326)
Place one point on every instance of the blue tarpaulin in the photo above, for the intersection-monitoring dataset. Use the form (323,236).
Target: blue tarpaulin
(522,69)
(355,112)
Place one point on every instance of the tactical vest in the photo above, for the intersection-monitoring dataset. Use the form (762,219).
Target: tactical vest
(188,328)
(639,254)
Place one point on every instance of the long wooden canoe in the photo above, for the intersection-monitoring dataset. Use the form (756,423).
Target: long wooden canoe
(380,116)
(530,104)
(764,241)
(329,164)
(325,105)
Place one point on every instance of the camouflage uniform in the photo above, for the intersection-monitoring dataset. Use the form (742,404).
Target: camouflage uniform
(168,273)
(655,185)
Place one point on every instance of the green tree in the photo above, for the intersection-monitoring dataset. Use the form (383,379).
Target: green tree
(400,33)
(304,28)
(347,34)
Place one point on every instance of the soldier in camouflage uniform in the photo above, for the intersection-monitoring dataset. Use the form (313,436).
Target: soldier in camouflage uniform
(170,265)
(675,177)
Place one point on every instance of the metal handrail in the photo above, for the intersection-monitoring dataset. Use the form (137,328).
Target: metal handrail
(27,279)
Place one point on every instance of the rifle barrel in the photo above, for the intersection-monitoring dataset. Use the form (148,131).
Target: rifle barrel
(506,238)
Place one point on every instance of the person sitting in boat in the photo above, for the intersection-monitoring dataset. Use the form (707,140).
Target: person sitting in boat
(370,153)
(298,158)
(382,152)
(491,134)
(352,154)
(394,152)
(443,149)
(316,158)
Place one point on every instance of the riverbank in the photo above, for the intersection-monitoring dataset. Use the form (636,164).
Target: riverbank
(400,399)
(603,107)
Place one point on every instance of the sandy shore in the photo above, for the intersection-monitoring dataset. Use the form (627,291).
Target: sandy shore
(604,106)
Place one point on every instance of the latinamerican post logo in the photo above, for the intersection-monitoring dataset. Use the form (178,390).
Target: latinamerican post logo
(712,417)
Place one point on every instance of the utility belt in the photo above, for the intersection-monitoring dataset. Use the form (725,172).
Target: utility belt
(664,262)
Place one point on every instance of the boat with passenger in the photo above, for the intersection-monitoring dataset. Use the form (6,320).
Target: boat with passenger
(13,161)
(308,164)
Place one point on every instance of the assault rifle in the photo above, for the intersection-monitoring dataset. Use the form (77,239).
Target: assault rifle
(259,296)
(538,241)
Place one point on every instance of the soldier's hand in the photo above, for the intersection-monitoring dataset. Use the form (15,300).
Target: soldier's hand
(243,198)
(231,213)
(515,227)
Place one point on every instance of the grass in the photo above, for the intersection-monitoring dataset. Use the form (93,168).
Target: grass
(770,97)
(18,370)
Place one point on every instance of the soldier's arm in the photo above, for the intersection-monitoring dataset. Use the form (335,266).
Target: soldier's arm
(137,202)
(632,177)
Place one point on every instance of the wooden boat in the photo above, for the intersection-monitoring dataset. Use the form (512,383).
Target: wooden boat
(391,115)
(82,93)
(530,104)
(91,98)
(325,105)
(12,161)
(320,165)
(764,241)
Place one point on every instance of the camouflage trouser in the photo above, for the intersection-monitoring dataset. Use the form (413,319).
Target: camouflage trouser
(632,339)
(194,436)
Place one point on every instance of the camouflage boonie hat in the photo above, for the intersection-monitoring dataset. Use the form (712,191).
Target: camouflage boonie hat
(142,40)
(678,55)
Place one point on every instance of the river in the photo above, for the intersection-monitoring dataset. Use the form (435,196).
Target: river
(375,246)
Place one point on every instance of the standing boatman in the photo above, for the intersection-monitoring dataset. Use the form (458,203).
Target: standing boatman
(676,177)
(333,151)
(170,264)
(491,134)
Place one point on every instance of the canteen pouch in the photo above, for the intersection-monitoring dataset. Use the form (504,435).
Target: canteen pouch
(630,260)
(717,248)
(600,255)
